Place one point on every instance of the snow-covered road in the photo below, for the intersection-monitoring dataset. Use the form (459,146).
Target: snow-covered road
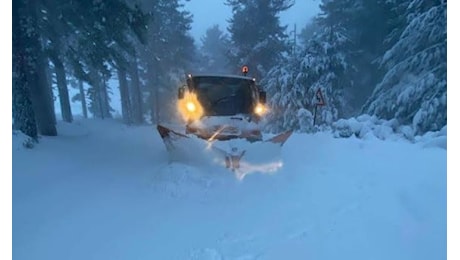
(102,190)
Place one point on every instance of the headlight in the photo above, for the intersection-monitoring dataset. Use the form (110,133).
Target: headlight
(260,109)
(190,106)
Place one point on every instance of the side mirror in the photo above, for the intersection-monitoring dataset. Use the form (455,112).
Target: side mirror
(262,97)
(181,92)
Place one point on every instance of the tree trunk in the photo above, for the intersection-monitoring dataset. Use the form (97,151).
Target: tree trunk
(105,101)
(83,99)
(136,100)
(100,102)
(95,94)
(124,94)
(64,99)
(40,98)
(49,79)
(153,92)
(151,106)
(39,91)
(157,105)
(23,114)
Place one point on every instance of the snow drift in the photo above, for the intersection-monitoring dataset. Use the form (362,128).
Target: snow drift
(102,190)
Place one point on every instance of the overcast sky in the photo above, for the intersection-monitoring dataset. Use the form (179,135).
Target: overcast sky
(209,12)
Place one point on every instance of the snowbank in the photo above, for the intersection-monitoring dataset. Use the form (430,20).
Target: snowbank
(20,140)
(434,139)
(369,127)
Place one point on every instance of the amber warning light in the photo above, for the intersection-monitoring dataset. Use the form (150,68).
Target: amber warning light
(245,70)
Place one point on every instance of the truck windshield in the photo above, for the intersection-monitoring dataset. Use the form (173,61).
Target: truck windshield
(224,96)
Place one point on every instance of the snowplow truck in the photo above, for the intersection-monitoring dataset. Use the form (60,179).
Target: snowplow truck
(222,116)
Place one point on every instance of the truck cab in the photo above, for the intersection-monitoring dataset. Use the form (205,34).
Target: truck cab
(222,106)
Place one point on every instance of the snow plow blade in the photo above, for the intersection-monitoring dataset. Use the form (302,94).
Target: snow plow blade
(238,155)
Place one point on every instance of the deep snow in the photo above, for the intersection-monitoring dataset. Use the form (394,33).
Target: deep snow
(102,190)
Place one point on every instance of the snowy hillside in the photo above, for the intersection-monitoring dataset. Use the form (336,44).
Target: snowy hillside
(103,190)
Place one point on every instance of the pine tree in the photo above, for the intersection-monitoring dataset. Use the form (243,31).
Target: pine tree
(76,36)
(101,43)
(214,48)
(31,95)
(307,32)
(414,88)
(170,50)
(23,114)
(286,96)
(258,40)
(56,32)
(325,64)
(135,93)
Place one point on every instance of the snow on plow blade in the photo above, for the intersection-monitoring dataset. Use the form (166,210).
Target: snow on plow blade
(239,155)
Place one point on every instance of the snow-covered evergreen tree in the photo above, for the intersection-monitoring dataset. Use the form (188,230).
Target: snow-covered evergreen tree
(414,89)
(258,40)
(23,113)
(33,111)
(283,95)
(292,87)
(169,51)
(308,32)
(215,45)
